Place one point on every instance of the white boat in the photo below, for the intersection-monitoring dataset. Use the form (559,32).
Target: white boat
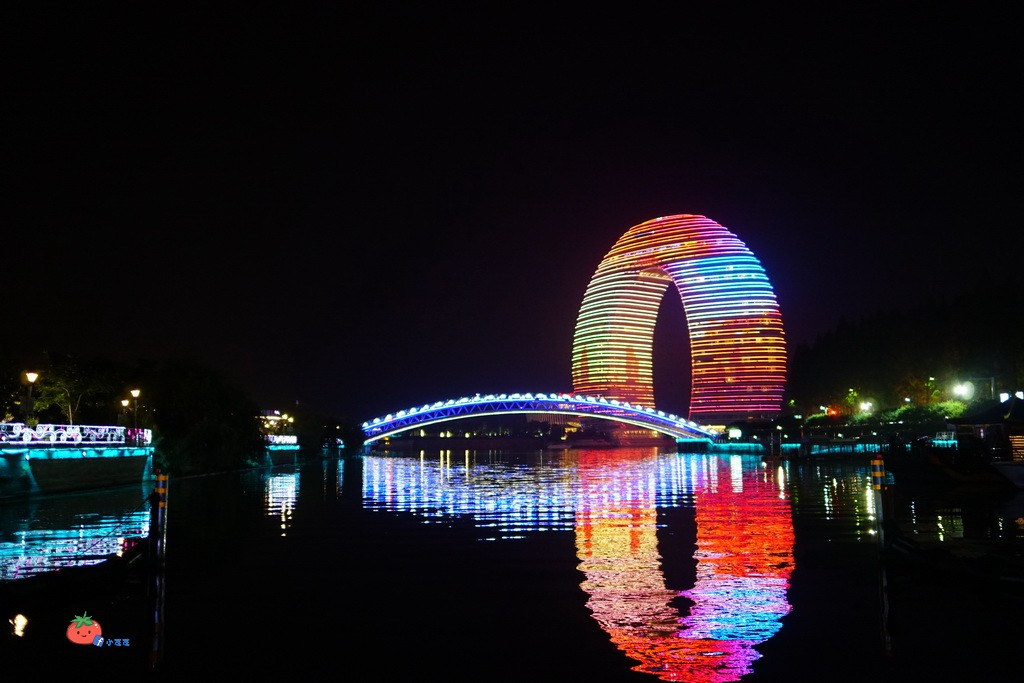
(1012,470)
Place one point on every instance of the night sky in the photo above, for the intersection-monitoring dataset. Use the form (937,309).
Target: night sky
(367,206)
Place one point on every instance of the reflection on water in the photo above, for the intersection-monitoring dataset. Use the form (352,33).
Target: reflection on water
(49,533)
(340,477)
(610,500)
(505,497)
(279,494)
(744,558)
(837,501)
(944,522)
(685,562)
(837,497)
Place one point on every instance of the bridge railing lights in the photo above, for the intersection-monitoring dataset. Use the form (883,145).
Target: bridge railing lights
(563,398)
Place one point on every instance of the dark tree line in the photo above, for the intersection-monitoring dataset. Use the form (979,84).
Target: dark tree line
(69,389)
(201,421)
(918,353)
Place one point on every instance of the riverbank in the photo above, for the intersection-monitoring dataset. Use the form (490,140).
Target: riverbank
(42,471)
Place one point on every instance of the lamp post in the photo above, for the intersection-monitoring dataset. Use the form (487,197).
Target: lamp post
(29,406)
(124,418)
(135,408)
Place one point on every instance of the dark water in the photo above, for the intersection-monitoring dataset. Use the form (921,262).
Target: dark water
(614,565)
(41,534)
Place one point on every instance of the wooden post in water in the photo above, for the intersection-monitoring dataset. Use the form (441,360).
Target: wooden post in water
(159,530)
(158,538)
(877,483)
(877,479)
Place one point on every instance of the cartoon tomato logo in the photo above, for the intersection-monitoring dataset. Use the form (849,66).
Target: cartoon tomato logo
(83,629)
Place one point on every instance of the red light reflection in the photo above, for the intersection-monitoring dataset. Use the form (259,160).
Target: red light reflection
(744,560)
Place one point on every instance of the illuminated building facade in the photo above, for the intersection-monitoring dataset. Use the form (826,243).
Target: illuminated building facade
(737,343)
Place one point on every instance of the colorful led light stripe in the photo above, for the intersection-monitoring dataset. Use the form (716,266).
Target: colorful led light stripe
(737,343)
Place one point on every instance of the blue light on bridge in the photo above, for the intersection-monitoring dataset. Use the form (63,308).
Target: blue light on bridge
(571,404)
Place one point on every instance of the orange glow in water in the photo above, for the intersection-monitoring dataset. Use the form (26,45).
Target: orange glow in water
(744,560)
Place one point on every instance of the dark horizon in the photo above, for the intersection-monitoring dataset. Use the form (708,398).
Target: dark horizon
(382,205)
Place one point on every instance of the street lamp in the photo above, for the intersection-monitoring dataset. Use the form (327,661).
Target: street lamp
(135,399)
(966,390)
(123,420)
(31,377)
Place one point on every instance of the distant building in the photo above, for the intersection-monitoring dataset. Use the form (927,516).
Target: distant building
(997,431)
(274,422)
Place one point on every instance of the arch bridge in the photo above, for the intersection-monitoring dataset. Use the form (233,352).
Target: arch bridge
(566,404)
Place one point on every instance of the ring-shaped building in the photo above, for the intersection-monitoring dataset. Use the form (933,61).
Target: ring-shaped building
(737,343)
